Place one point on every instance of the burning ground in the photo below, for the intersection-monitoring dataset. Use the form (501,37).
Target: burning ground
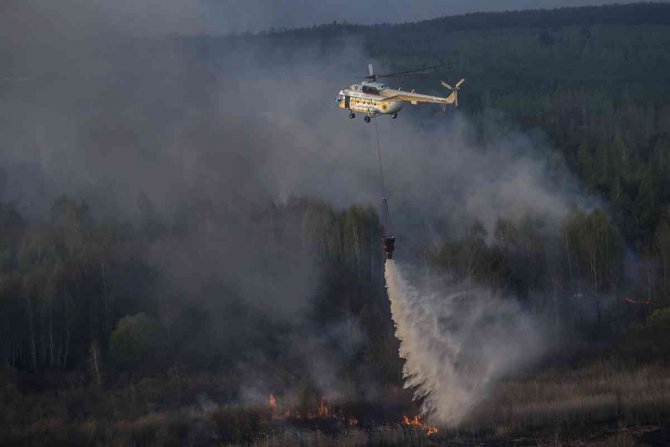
(571,407)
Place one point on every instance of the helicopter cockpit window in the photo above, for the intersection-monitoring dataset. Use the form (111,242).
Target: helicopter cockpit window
(367,89)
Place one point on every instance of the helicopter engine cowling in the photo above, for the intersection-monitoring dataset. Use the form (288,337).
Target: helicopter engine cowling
(392,107)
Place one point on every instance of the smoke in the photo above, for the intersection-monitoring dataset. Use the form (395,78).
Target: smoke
(203,136)
(116,120)
(457,340)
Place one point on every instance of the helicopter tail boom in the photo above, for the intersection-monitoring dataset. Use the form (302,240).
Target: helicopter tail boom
(416,98)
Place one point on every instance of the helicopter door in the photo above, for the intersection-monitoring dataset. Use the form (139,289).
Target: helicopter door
(347,101)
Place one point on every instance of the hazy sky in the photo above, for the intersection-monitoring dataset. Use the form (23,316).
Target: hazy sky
(224,16)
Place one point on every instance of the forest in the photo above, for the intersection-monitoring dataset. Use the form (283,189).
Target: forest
(112,333)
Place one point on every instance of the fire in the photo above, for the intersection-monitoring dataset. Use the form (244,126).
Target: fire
(417,422)
(323,411)
(272,403)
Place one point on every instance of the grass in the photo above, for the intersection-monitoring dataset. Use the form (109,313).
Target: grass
(602,405)
(601,392)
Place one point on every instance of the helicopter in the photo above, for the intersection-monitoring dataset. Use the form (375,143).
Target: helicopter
(372,98)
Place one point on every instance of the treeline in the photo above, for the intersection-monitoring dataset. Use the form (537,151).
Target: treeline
(59,291)
(609,15)
(573,277)
(583,278)
(79,293)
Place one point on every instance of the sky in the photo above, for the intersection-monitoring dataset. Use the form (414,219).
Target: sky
(226,16)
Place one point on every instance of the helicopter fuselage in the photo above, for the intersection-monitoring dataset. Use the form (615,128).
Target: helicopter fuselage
(373,98)
(369,98)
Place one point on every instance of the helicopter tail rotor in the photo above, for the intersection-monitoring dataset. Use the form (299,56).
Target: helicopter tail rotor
(454,91)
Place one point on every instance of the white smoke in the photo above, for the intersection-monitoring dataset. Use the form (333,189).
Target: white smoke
(456,340)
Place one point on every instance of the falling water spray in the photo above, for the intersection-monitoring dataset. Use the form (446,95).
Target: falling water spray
(456,340)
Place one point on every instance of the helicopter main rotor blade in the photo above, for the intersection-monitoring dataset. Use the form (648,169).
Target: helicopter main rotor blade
(418,71)
(401,75)
(458,84)
(394,75)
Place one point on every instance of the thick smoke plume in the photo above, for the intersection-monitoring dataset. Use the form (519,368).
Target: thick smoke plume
(456,340)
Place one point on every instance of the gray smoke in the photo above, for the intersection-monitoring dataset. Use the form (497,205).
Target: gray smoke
(110,117)
(144,127)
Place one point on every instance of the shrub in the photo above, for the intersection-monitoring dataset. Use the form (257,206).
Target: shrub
(135,337)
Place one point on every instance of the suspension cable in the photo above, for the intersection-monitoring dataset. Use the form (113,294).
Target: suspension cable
(385,206)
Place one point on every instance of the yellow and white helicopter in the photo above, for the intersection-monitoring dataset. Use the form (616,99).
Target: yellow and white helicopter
(372,98)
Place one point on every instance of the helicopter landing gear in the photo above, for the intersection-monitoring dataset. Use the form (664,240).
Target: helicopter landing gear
(367,119)
(352,115)
(394,116)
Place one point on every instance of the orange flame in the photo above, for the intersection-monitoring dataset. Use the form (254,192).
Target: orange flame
(417,422)
(323,411)
(272,402)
